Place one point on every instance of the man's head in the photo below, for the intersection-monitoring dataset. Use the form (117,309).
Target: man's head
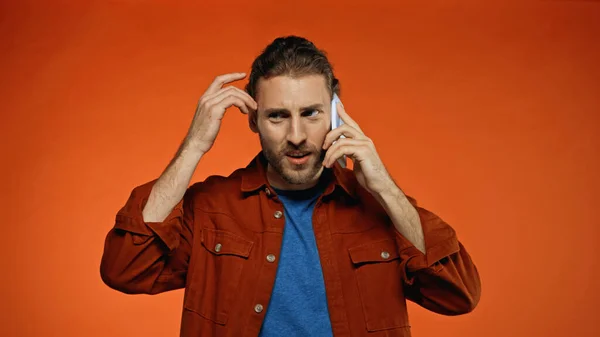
(293,83)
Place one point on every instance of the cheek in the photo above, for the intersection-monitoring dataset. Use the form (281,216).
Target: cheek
(272,139)
(319,137)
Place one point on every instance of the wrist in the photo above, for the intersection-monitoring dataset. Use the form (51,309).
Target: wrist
(191,147)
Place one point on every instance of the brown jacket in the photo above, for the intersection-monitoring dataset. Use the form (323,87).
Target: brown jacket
(221,244)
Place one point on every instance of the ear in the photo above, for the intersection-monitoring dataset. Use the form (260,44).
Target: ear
(252,116)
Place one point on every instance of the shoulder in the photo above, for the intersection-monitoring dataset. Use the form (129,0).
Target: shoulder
(220,184)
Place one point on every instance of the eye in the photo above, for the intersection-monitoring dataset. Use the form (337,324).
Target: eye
(311,113)
(276,115)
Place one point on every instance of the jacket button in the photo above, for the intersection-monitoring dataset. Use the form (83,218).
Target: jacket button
(258,308)
(385,255)
(277,214)
(271,258)
(218,247)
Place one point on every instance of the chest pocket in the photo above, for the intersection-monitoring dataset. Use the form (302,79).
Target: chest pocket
(378,274)
(216,274)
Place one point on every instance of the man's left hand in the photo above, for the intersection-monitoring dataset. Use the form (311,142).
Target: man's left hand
(368,167)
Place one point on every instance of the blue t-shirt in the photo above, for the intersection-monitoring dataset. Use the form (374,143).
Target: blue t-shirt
(298,305)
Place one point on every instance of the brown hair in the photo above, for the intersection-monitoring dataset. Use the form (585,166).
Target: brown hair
(291,56)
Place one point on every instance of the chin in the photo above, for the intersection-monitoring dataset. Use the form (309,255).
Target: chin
(301,176)
(296,179)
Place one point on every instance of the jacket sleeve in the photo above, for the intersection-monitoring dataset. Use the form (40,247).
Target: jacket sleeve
(444,279)
(148,257)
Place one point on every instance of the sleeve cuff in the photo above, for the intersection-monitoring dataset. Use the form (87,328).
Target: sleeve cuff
(130,219)
(440,242)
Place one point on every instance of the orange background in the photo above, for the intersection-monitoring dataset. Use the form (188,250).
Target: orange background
(487,114)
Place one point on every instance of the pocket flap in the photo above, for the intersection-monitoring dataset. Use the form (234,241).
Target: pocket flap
(221,242)
(374,252)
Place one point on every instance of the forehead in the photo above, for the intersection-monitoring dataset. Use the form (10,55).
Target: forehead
(289,92)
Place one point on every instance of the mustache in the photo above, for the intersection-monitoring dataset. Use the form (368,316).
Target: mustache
(312,149)
(289,149)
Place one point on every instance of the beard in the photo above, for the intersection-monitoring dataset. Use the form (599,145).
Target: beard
(291,173)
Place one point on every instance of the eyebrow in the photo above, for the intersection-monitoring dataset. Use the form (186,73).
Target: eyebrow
(317,106)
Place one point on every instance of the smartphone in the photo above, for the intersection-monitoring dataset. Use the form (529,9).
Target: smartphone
(336,122)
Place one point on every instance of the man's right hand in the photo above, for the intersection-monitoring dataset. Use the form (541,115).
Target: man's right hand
(211,109)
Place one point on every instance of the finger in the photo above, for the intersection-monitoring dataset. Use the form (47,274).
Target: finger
(346,118)
(221,80)
(344,147)
(230,101)
(224,92)
(344,130)
(225,89)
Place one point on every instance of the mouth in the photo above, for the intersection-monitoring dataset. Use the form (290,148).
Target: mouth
(298,157)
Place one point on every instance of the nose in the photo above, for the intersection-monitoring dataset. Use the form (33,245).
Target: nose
(296,132)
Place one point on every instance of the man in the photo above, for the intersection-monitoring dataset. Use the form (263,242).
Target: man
(293,244)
